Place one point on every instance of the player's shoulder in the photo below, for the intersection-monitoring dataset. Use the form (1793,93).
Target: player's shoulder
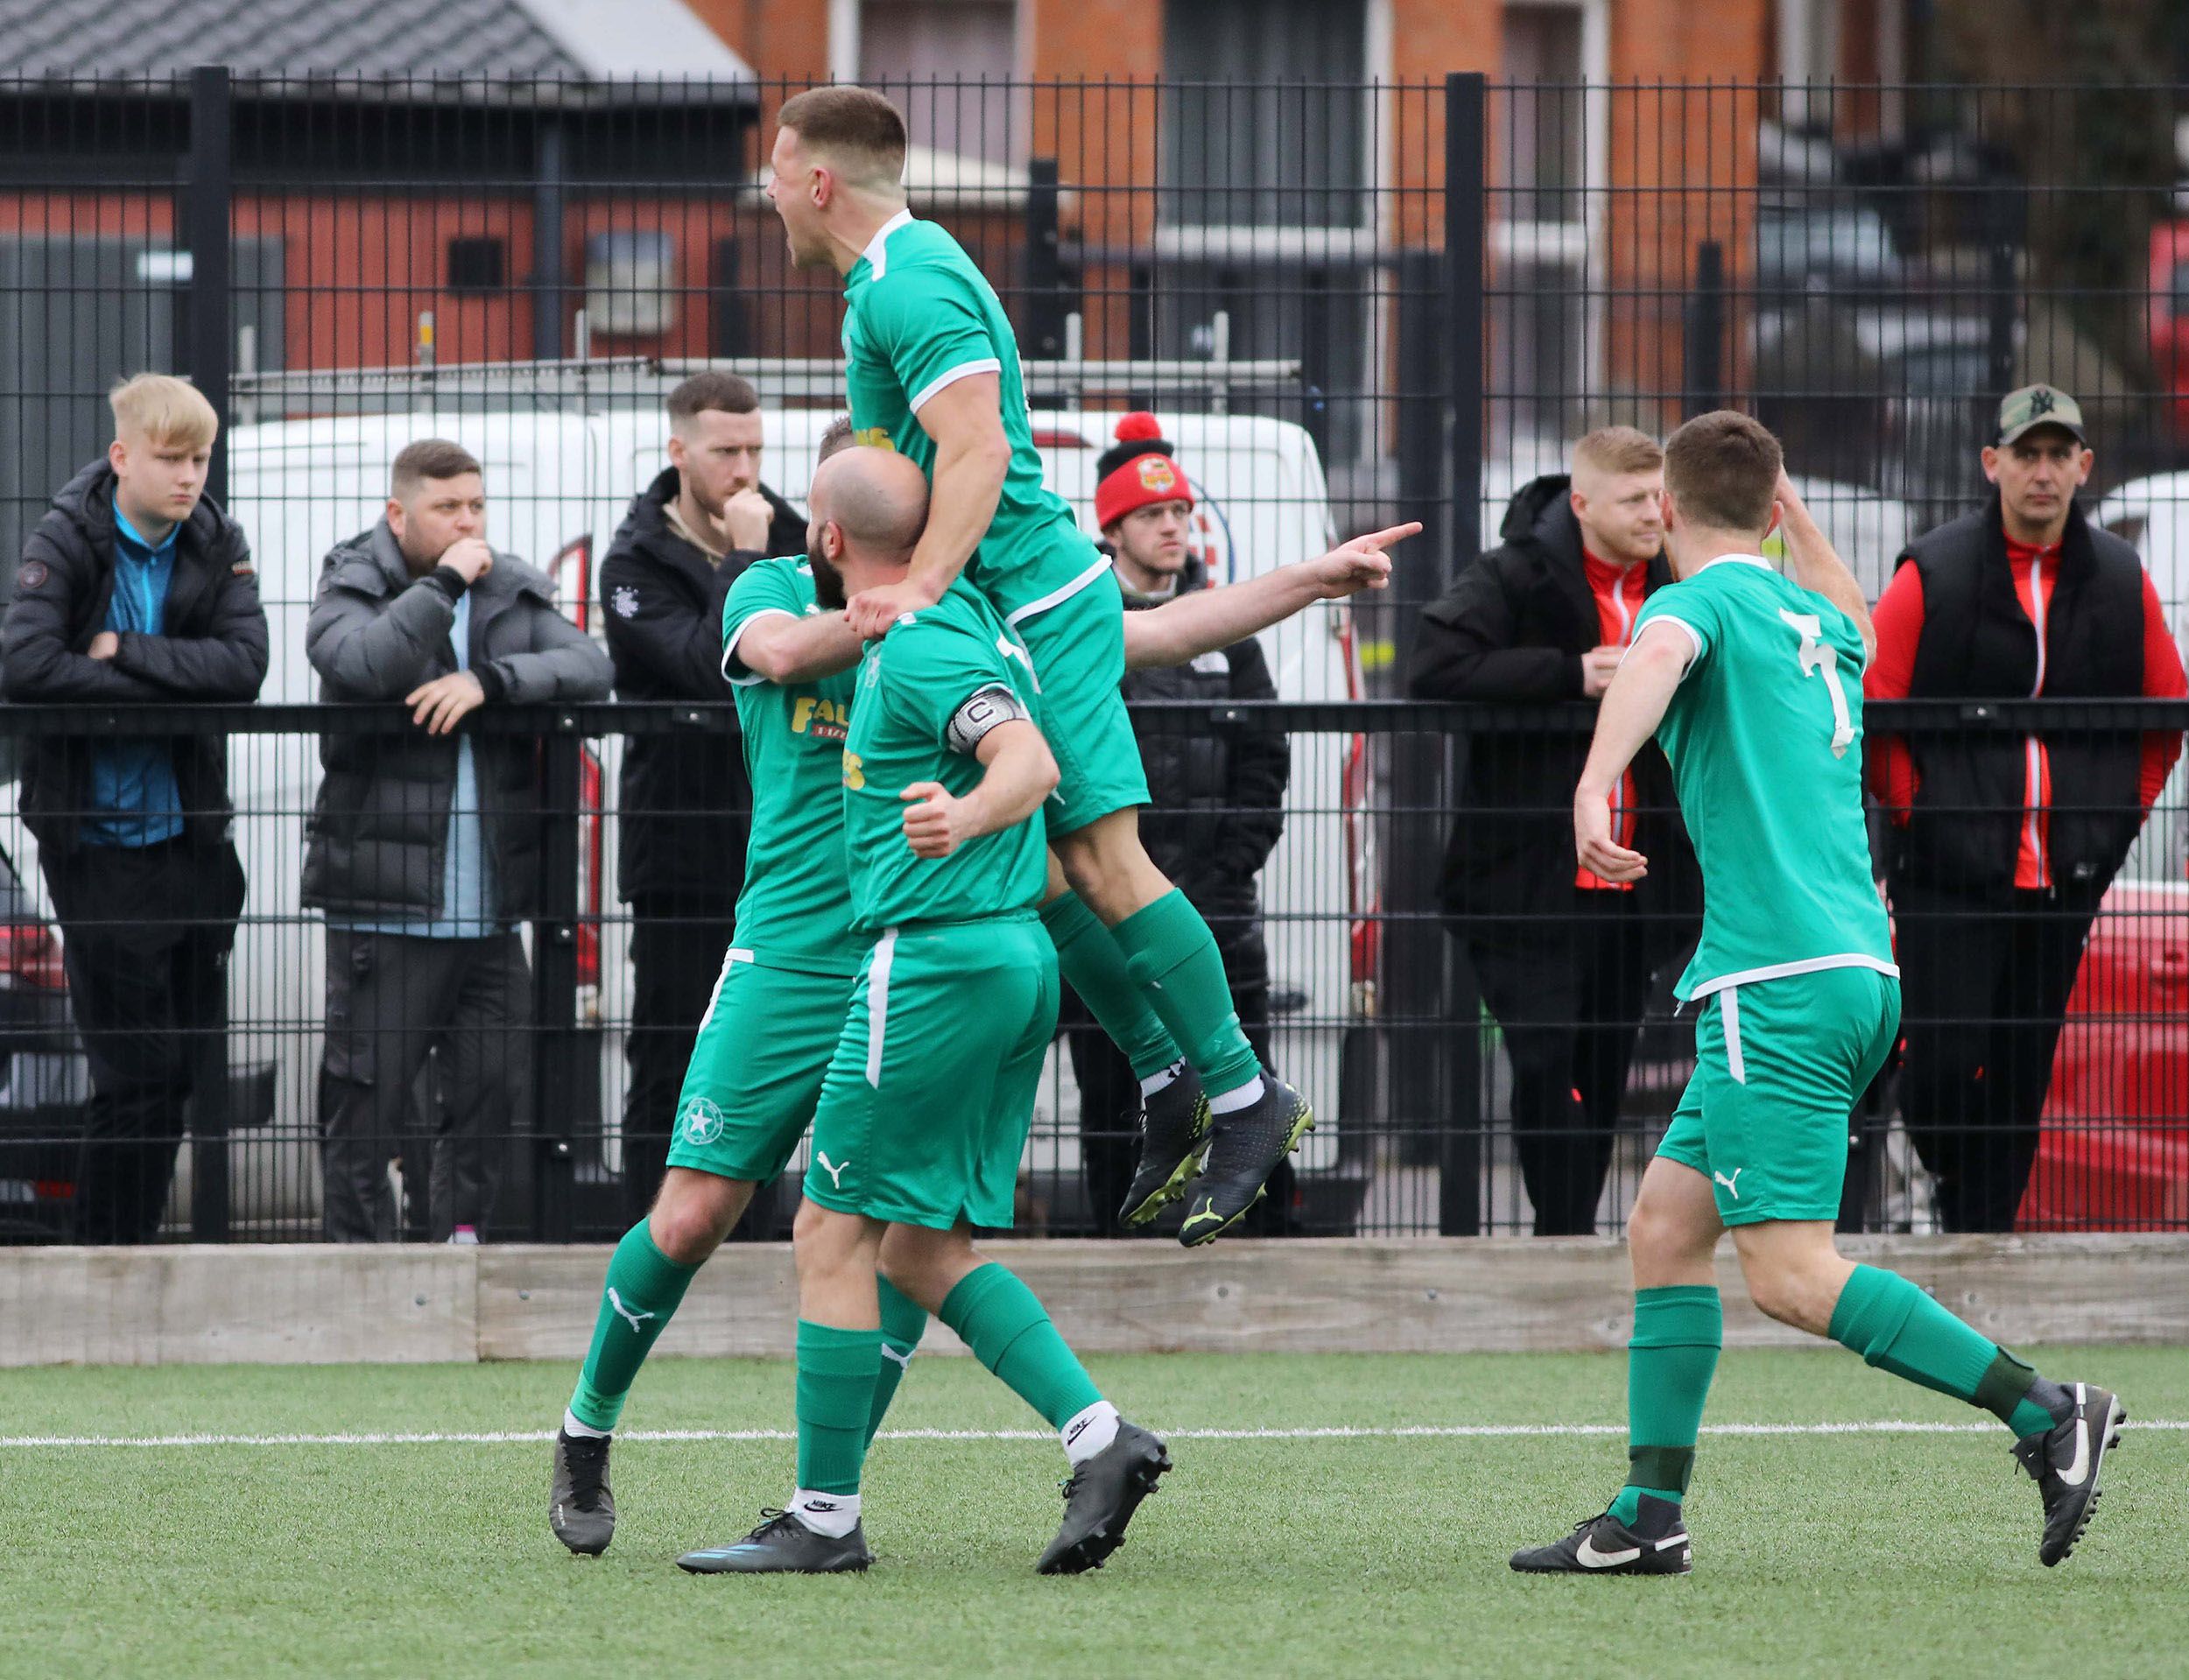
(779,578)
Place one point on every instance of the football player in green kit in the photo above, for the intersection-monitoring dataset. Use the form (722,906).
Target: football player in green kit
(757,1069)
(1751,681)
(927,1102)
(931,371)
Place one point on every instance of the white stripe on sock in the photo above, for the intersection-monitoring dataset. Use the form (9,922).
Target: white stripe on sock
(572,1426)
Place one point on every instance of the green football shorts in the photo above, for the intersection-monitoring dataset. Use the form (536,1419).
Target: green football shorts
(1779,1066)
(756,1068)
(924,1113)
(1078,649)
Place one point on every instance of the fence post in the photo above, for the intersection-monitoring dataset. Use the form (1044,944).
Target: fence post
(1434,1083)
(550,1158)
(547,240)
(211,353)
(1045,301)
(1702,377)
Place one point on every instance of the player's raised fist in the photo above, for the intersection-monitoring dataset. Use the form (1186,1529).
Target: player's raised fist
(933,820)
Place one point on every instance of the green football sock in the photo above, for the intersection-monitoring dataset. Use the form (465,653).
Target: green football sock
(1678,1332)
(1174,958)
(1897,1327)
(836,1374)
(1009,1331)
(903,1322)
(643,1290)
(1088,958)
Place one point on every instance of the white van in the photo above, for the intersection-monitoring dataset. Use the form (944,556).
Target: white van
(2153,513)
(558,485)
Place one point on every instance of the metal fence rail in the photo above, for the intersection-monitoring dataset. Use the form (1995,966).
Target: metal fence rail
(2114,1151)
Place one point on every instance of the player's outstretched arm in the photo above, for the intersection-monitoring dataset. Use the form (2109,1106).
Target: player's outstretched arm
(1179,630)
(1018,774)
(1816,565)
(1632,708)
(966,420)
(786,649)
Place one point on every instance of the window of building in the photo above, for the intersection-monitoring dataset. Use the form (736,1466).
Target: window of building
(1264,113)
(949,63)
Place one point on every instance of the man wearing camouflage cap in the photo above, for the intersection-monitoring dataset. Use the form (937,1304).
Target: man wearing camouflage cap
(2002,845)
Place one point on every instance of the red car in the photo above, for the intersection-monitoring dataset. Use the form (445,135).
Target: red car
(2114,1153)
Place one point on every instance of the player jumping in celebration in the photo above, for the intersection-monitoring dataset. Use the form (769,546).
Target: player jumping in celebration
(932,372)
(764,1045)
(1751,682)
(927,1102)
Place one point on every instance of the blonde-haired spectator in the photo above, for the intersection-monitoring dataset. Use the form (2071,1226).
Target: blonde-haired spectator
(134,588)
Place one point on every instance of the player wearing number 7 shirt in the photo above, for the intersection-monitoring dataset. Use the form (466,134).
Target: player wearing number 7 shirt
(1751,682)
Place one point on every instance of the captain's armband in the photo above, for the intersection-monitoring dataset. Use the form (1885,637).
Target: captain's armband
(983,711)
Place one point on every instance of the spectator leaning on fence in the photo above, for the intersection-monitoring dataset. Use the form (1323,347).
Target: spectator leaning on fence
(2003,846)
(136,588)
(1218,803)
(424,847)
(684,806)
(1565,960)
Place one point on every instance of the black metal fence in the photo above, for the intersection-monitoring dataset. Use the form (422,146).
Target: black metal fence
(1349,302)
(2112,1150)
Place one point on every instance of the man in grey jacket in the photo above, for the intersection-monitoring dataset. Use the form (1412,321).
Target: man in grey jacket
(424,849)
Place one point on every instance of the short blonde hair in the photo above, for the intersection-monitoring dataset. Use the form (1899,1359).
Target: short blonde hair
(172,413)
(1618,449)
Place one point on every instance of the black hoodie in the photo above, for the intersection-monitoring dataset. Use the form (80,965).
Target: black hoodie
(1513,627)
(212,647)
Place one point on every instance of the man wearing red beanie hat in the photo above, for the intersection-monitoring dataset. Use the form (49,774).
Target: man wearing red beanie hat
(932,371)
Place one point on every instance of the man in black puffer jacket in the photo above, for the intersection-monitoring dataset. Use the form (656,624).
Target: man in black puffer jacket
(424,847)
(135,588)
(683,808)
(1219,808)
(1565,960)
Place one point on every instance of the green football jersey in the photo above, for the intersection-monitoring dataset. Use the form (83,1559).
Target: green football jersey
(911,687)
(1766,738)
(795,910)
(919,316)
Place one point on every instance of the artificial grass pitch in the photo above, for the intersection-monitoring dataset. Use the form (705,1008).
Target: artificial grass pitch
(1879,1554)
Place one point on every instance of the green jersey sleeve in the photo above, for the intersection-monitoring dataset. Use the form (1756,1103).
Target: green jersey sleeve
(928,681)
(1688,608)
(928,322)
(770,586)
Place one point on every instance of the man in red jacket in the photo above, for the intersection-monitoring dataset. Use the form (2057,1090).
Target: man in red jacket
(2003,845)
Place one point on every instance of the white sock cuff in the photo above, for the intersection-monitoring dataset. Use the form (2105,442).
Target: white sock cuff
(1245,1097)
(1161,1081)
(1089,1430)
(833,1515)
(572,1426)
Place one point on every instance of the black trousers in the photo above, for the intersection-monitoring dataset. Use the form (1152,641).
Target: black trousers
(145,933)
(392,1000)
(1568,994)
(676,948)
(1109,1095)
(1984,982)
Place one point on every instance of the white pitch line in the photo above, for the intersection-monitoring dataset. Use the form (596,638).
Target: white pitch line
(1335,1432)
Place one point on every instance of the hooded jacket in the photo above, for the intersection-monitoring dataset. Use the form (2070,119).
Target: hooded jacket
(212,646)
(1513,626)
(377,836)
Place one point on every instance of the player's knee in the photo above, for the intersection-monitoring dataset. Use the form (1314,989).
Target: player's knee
(1660,1236)
(1791,1293)
(688,1223)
